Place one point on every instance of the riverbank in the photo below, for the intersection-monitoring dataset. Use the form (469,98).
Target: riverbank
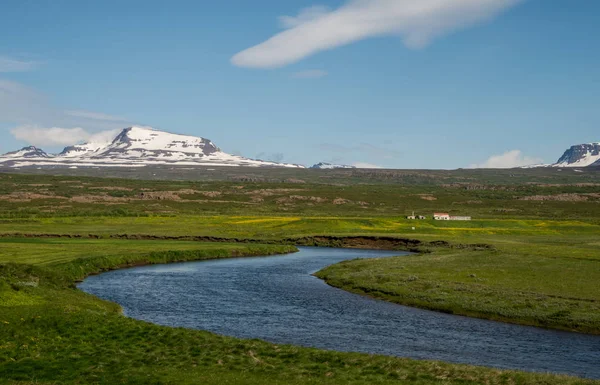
(511,284)
(51,332)
(539,273)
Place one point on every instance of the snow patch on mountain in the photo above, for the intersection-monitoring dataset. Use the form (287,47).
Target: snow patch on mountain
(30,152)
(137,146)
(581,155)
(324,165)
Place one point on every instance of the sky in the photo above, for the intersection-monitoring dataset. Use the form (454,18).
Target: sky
(372,83)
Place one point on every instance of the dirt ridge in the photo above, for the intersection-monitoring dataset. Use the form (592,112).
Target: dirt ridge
(357,242)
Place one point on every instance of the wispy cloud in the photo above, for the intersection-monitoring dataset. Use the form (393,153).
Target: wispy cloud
(22,104)
(95,116)
(8,64)
(35,120)
(58,136)
(306,15)
(319,29)
(510,159)
(310,74)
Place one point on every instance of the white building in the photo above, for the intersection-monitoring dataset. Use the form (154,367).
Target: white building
(459,218)
(447,217)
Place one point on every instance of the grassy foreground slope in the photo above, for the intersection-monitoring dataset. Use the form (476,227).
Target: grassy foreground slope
(52,333)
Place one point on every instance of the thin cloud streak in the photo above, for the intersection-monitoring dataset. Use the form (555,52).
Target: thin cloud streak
(22,104)
(36,121)
(95,116)
(306,15)
(58,136)
(8,64)
(310,74)
(318,29)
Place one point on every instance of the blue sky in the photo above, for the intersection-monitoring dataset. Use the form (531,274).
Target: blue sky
(390,83)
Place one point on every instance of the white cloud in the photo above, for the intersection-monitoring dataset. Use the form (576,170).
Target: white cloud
(32,112)
(365,165)
(306,15)
(104,136)
(509,159)
(318,29)
(55,136)
(8,64)
(310,74)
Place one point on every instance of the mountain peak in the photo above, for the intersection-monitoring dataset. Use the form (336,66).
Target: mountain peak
(137,146)
(158,142)
(28,152)
(324,165)
(580,155)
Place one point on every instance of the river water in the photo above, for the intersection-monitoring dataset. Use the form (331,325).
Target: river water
(277,299)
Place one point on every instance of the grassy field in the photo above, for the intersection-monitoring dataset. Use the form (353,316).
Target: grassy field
(52,333)
(518,282)
(551,197)
(540,266)
(541,273)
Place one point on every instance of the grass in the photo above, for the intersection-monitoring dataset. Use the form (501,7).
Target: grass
(56,252)
(388,194)
(540,272)
(515,283)
(52,333)
(542,268)
(277,227)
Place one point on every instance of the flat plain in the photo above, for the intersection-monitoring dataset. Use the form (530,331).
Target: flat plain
(530,256)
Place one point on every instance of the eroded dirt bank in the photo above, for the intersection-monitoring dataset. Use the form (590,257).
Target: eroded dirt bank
(362,242)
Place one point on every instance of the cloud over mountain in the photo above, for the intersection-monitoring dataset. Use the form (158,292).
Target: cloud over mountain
(509,159)
(55,136)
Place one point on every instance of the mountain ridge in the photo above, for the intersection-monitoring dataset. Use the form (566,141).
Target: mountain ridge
(580,155)
(329,166)
(137,146)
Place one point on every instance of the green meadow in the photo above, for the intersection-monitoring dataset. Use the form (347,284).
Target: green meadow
(530,256)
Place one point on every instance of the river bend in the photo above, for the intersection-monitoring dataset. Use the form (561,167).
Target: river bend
(278,300)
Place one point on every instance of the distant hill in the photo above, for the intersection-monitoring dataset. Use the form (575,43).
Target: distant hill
(323,165)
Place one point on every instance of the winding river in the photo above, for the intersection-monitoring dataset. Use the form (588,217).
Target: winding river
(277,299)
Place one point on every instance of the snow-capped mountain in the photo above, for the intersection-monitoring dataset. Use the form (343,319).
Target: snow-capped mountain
(30,152)
(78,150)
(581,155)
(137,146)
(323,165)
